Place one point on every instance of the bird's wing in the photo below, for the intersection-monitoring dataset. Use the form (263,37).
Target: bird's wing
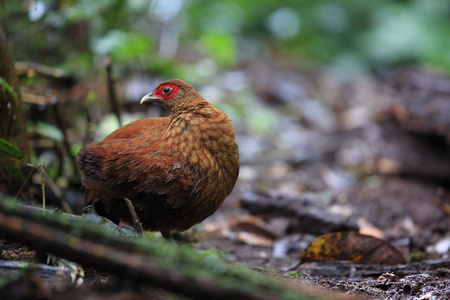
(145,128)
(129,168)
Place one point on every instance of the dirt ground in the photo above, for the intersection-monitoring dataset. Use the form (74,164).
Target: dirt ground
(386,176)
(386,212)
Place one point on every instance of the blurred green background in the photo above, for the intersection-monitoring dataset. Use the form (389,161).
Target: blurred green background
(194,39)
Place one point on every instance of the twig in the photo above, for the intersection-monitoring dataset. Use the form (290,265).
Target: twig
(87,133)
(43,186)
(111,90)
(45,179)
(25,67)
(58,193)
(137,224)
(32,172)
(34,99)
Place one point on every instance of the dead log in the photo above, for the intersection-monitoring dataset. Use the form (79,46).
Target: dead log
(420,101)
(305,213)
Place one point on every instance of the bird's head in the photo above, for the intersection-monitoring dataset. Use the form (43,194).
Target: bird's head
(171,93)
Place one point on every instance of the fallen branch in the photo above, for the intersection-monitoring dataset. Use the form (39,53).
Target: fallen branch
(180,270)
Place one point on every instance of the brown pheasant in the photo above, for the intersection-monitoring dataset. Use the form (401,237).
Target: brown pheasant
(176,170)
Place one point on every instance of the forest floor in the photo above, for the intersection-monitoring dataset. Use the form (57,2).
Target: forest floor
(371,156)
(260,242)
(385,175)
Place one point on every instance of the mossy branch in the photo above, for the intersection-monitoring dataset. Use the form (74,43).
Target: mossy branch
(181,270)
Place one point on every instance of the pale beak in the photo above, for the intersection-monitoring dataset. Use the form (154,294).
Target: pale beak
(149,97)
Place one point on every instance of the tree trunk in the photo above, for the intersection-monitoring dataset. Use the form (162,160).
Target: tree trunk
(12,120)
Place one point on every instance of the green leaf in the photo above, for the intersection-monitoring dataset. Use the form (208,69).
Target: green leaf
(49,131)
(221,46)
(9,150)
(292,274)
(5,85)
(123,46)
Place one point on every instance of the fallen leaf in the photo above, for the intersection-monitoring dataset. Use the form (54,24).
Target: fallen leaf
(250,231)
(353,247)
(388,166)
(365,227)
(386,278)
(246,229)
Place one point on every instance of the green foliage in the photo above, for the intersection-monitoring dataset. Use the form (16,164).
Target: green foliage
(9,150)
(291,274)
(219,45)
(123,46)
(7,87)
(75,148)
(50,131)
(351,35)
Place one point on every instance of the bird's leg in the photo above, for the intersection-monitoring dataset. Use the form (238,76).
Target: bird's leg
(137,225)
(168,236)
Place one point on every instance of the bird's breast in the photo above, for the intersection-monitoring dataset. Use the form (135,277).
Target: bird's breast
(206,140)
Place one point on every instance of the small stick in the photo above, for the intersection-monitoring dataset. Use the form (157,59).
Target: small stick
(111,90)
(87,133)
(24,67)
(50,183)
(43,187)
(58,193)
(137,225)
(33,170)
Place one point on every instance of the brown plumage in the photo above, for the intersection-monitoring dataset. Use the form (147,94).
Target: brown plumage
(176,170)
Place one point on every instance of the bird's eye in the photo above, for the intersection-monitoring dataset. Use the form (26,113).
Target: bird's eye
(166,90)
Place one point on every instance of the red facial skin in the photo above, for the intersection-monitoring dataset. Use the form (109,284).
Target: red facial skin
(166,91)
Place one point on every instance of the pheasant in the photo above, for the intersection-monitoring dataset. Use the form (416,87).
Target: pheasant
(176,170)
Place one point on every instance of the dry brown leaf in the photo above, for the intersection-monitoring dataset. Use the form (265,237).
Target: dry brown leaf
(365,227)
(388,166)
(354,247)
